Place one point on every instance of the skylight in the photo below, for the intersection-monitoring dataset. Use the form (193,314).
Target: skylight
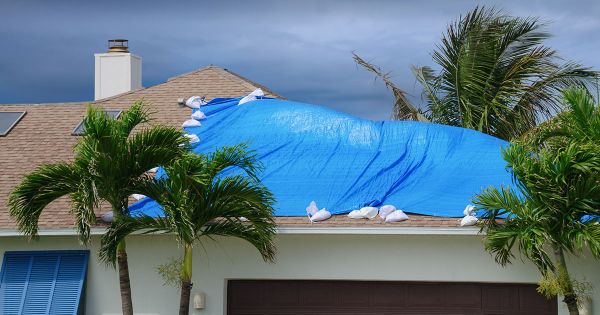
(8,120)
(80,129)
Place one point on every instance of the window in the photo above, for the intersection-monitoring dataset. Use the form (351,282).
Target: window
(8,120)
(80,129)
(43,282)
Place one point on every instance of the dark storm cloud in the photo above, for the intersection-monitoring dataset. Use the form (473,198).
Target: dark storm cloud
(302,50)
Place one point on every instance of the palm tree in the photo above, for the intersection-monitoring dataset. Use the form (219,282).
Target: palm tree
(495,76)
(202,199)
(581,123)
(554,209)
(110,161)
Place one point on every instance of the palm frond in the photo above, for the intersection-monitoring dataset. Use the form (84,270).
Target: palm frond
(83,202)
(496,75)
(136,115)
(109,163)
(233,157)
(237,196)
(156,146)
(39,188)
(557,188)
(447,114)
(260,235)
(403,109)
(124,226)
(201,199)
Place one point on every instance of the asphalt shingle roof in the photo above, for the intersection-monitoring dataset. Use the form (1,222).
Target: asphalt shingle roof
(44,136)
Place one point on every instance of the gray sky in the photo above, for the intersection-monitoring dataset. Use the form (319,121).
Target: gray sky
(300,49)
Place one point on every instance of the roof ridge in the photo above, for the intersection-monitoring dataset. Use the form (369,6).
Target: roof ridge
(156,85)
(210,66)
(222,72)
(248,81)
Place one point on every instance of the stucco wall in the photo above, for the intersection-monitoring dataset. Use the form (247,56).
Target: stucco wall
(352,257)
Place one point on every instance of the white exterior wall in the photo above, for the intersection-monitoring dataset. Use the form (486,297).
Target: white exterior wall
(116,73)
(345,257)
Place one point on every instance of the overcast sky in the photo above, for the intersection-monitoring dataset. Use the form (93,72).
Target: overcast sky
(301,50)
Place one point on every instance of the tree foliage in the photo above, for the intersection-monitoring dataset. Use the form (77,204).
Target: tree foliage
(111,160)
(555,208)
(493,74)
(203,197)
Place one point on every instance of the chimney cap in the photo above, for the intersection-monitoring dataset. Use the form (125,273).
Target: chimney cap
(118,46)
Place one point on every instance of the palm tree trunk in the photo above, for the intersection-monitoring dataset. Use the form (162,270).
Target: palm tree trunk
(124,283)
(570,296)
(186,281)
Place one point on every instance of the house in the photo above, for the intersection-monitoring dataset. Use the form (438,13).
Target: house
(425,265)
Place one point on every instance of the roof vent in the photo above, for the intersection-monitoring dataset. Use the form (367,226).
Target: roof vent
(118,46)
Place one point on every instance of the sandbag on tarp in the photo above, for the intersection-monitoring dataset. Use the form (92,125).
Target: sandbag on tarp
(344,163)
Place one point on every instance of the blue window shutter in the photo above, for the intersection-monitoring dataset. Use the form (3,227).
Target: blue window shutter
(41,279)
(42,282)
(13,283)
(69,280)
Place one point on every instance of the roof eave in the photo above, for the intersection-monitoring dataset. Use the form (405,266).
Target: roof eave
(296,230)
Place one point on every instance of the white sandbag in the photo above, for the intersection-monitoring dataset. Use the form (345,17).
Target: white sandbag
(252,96)
(364,213)
(107,217)
(194,102)
(355,214)
(191,123)
(369,212)
(321,215)
(469,210)
(138,196)
(468,220)
(396,216)
(386,210)
(192,138)
(198,115)
(153,170)
(312,208)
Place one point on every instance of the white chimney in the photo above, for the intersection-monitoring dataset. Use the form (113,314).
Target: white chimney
(117,71)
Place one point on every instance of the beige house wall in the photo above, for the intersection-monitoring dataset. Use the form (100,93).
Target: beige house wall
(351,257)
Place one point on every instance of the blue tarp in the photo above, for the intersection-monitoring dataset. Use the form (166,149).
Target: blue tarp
(344,163)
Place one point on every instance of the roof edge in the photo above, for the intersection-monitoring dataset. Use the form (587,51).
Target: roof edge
(298,230)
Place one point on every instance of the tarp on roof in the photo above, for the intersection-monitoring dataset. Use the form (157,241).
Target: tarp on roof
(344,163)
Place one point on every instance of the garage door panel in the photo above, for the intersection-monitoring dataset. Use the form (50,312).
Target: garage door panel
(316,294)
(500,299)
(463,296)
(422,295)
(385,294)
(347,295)
(282,294)
(253,297)
(530,300)
(308,297)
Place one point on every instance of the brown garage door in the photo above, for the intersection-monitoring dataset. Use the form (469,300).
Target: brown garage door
(275,297)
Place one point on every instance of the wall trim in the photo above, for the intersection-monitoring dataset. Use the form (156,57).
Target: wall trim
(298,230)
(378,230)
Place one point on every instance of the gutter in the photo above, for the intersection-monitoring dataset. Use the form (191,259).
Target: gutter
(378,230)
(295,230)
